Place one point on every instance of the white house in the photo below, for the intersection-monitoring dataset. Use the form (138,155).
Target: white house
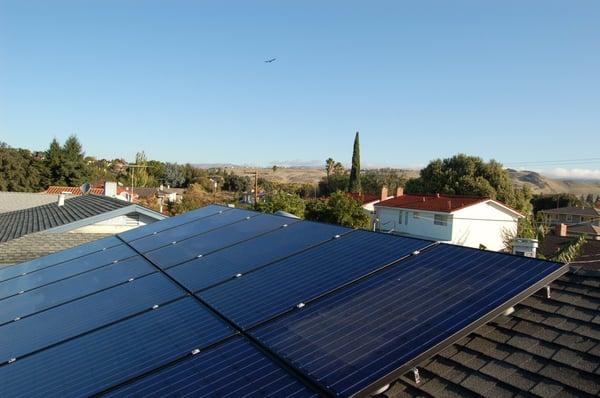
(460,220)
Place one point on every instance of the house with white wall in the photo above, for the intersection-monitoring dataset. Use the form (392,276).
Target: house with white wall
(461,220)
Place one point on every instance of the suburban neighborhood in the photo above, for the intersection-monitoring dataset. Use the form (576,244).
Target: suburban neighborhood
(299,200)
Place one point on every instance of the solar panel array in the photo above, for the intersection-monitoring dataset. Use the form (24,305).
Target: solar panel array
(230,302)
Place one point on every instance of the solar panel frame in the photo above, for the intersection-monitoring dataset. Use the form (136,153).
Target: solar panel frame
(405,367)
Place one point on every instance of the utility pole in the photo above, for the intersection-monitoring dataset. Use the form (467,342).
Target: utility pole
(133,167)
(255,185)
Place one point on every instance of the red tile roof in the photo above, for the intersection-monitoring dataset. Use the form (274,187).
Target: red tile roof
(440,203)
(55,190)
(364,197)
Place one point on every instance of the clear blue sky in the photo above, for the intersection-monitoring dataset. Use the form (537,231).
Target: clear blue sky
(186,81)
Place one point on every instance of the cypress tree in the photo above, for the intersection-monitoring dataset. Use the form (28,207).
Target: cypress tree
(355,185)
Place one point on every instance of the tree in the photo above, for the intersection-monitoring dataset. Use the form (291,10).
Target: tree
(73,168)
(274,168)
(288,202)
(329,164)
(354,183)
(174,175)
(141,174)
(340,209)
(470,175)
(53,164)
(590,198)
(373,180)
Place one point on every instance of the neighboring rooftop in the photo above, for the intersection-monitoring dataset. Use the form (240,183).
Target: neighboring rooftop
(364,197)
(589,257)
(13,201)
(575,211)
(41,244)
(439,203)
(23,222)
(549,347)
(56,189)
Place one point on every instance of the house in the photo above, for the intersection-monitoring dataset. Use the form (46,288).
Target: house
(571,215)
(12,201)
(462,220)
(107,188)
(78,214)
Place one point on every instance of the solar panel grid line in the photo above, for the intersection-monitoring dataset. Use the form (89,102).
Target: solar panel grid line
(176,236)
(176,271)
(281,362)
(12,271)
(235,243)
(293,279)
(13,288)
(26,315)
(173,222)
(197,246)
(366,391)
(227,369)
(237,275)
(191,220)
(94,362)
(60,328)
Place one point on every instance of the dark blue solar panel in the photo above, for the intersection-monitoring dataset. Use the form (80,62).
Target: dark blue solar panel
(188,230)
(96,361)
(232,369)
(260,295)
(65,269)
(352,338)
(57,258)
(203,244)
(224,264)
(71,288)
(76,317)
(171,222)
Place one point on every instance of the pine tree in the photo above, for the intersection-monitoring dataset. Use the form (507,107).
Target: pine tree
(74,169)
(53,161)
(355,185)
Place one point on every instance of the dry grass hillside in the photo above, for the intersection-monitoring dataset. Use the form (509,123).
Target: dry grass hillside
(537,182)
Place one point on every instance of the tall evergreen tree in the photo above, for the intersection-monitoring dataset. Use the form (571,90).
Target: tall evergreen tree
(52,163)
(74,169)
(355,185)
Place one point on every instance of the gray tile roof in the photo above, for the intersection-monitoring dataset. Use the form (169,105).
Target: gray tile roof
(12,201)
(575,211)
(547,347)
(36,245)
(22,222)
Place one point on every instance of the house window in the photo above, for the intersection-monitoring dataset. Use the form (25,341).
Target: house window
(406,218)
(440,219)
(569,217)
(400,218)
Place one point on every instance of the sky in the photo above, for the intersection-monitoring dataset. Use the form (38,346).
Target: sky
(185,81)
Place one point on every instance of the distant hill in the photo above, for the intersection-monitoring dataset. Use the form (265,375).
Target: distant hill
(543,184)
(537,182)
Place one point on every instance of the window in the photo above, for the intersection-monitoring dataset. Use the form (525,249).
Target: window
(406,217)
(416,214)
(400,217)
(569,217)
(440,219)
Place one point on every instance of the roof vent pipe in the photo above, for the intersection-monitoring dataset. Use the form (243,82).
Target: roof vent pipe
(61,199)
(380,390)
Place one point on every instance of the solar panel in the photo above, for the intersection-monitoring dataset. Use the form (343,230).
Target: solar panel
(369,333)
(200,245)
(23,336)
(36,300)
(263,294)
(234,368)
(231,302)
(50,274)
(190,229)
(57,258)
(172,222)
(249,255)
(96,361)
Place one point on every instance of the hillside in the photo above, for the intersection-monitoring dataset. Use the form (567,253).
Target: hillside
(543,184)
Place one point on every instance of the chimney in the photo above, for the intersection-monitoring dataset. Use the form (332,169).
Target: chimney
(561,230)
(110,189)
(384,193)
(61,199)
(399,191)
(437,195)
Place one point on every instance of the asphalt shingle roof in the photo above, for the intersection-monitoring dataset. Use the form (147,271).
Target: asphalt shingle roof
(41,244)
(23,222)
(576,211)
(13,201)
(548,347)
